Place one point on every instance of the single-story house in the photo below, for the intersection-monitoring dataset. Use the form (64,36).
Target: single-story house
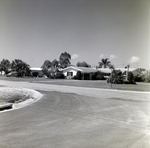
(86,72)
(36,72)
(106,71)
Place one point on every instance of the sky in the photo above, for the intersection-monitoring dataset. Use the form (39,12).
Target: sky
(89,30)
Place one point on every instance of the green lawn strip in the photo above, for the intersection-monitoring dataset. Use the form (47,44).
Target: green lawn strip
(99,84)
(82,83)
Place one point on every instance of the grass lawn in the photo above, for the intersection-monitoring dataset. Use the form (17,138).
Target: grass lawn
(83,83)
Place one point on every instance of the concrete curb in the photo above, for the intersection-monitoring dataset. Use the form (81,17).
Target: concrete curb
(6,106)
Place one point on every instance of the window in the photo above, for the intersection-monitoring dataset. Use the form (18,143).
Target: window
(69,73)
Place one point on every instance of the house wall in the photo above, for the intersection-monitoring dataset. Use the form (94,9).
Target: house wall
(70,70)
(36,73)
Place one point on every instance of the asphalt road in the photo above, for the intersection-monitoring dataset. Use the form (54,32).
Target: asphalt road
(77,117)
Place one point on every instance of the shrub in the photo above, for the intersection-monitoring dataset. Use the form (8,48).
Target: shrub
(74,77)
(138,78)
(131,78)
(59,75)
(146,76)
(99,76)
(79,75)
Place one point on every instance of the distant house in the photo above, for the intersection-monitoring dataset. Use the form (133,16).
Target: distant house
(86,72)
(36,72)
(107,72)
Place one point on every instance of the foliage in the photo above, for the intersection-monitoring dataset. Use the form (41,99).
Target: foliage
(139,75)
(131,78)
(20,67)
(104,62)
(99,76)
(83,64)
(64,59)
(138,78)
(141,70)
(4,66)
(59,75)
(54,69)
(45,67)
(79,75)
(116,77)
(146,76)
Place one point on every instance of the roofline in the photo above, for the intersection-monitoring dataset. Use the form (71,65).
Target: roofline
(72,67)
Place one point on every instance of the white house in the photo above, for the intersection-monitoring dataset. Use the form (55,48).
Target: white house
(36,71)
(107,71)
(71,71)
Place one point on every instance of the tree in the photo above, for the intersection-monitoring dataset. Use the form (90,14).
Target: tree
(83,64)
(131,78)
(64,59)
(104,62)
(20,67)
(116,77)
(138,74)
(146,76)
(5,65)
(54,68)
(100,64)
(45,67)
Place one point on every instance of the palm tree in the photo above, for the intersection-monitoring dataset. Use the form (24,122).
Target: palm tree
(104,62)
(100,64)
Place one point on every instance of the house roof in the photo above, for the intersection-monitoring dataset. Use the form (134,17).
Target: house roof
(36,68)
(107,70)
(82,69)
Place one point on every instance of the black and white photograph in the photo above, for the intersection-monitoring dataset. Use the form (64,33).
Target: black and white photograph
(74,73)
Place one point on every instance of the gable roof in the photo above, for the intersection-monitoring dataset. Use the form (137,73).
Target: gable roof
(107,70)
(82,69)
(36,68)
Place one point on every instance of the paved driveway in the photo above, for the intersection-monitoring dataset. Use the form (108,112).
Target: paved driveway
(76,117)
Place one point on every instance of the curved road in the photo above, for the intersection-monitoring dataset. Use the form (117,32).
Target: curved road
(77,117)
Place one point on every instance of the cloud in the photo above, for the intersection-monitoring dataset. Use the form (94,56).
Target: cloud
(101,56)
(74,56)
(112,57)
(134,59)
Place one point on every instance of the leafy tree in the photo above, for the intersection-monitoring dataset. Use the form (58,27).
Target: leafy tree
(131,78)
(141,70)
(104,62)
(116,77)
(146,76)
(54,68)
(64,59)
(139,74)
(22,68)
(5,65)
(83,64)
(45,67)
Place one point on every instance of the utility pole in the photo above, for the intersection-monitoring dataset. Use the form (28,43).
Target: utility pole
(127,71)
(112,68)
